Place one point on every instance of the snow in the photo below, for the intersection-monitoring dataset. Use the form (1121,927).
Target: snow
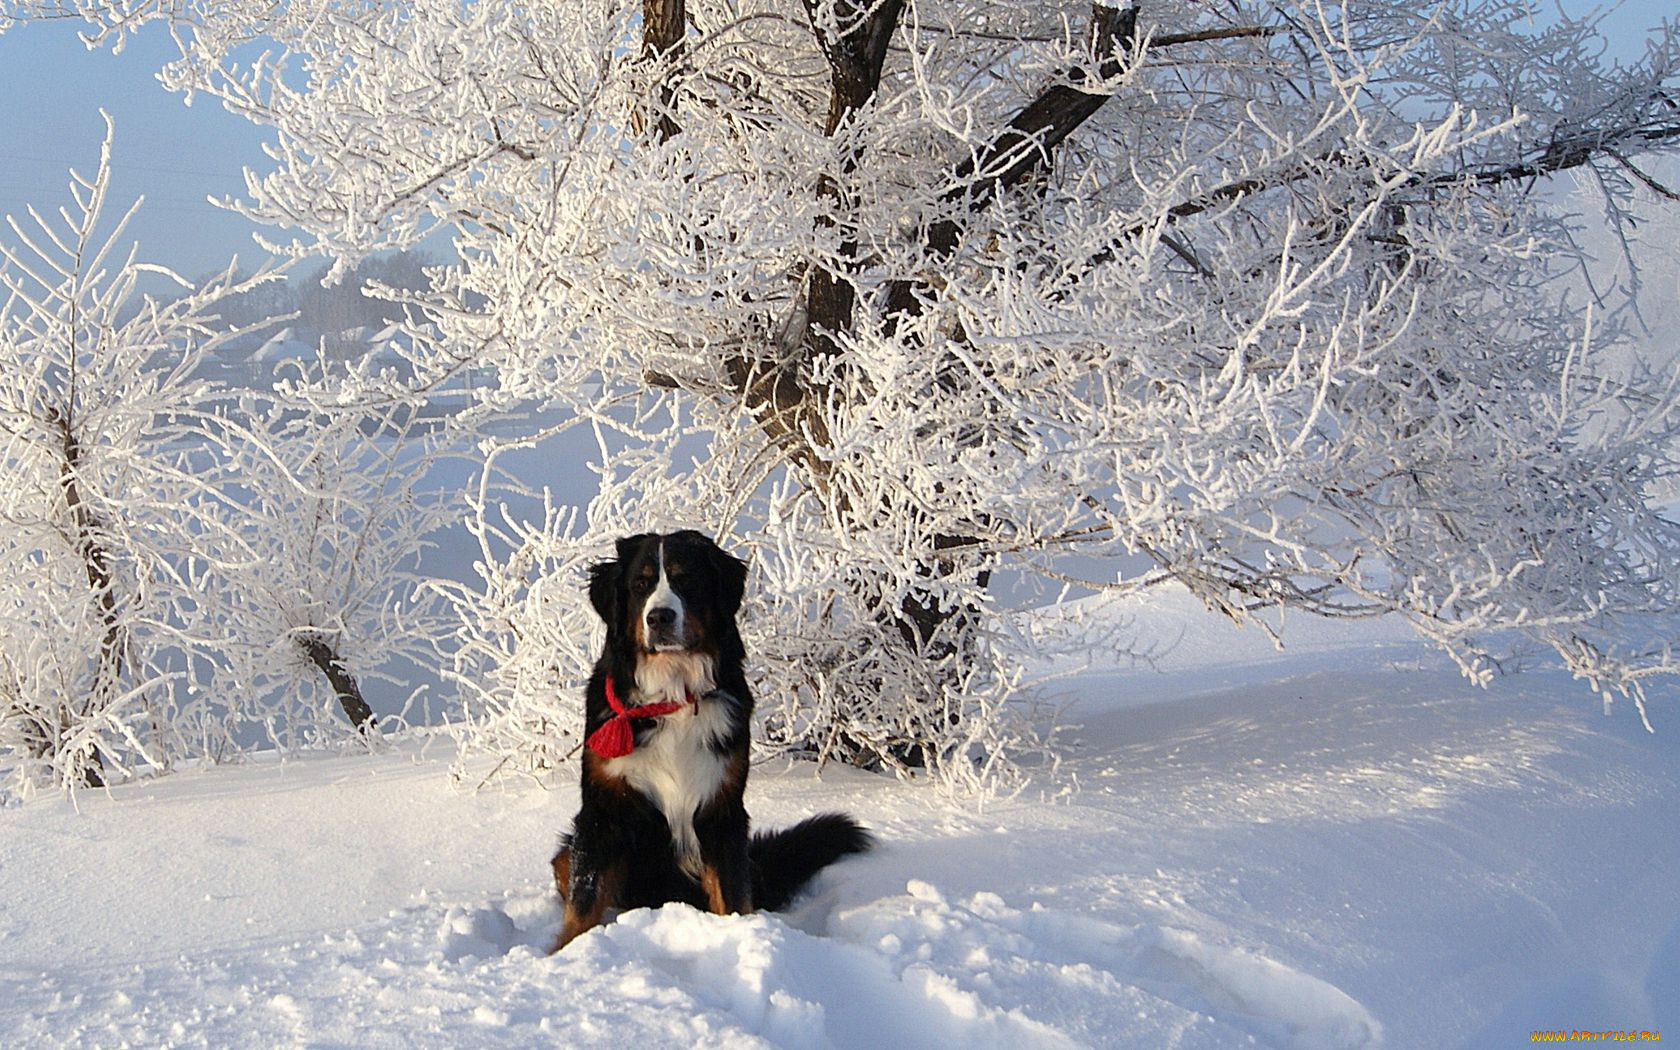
(1339,845)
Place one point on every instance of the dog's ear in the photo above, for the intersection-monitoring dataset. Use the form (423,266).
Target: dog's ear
(732,586)
(603,592)
(629,545)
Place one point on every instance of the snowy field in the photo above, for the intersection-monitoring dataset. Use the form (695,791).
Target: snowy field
(1340,846)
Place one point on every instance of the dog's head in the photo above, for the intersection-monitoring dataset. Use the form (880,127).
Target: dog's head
(669,593)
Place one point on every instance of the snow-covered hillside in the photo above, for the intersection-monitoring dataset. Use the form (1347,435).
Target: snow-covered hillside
(1340,846)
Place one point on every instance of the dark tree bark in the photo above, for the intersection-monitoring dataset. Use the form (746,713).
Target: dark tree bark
(855,56)
(664,24)
(786,407)
(322,654)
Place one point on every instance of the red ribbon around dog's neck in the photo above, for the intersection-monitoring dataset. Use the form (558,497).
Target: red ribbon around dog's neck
(615,738)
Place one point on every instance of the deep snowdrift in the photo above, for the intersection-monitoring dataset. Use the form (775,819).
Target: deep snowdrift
(1340,846)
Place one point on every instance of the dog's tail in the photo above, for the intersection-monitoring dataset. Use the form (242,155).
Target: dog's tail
(784,861)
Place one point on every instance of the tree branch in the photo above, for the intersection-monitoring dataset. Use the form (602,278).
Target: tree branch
(1563,153)
(97,565)
(784,409)
(1024,146)
(1202,36)
(1644,177)
(855,53)
(1156,41)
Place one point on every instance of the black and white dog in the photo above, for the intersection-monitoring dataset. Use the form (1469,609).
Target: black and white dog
(667,719)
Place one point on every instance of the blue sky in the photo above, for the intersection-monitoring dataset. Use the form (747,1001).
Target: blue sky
(177,156)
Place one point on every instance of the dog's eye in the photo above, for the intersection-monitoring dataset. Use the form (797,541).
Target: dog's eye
(641,584)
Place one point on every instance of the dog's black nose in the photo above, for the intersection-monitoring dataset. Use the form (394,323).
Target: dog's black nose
(662,616)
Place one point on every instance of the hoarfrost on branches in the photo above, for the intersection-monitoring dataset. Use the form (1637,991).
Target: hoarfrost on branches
(905,299)
(186,571)
(99,569)
(326,510)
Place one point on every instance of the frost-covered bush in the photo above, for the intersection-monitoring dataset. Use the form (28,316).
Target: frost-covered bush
(324,511)
(99,485)
(186,571)
(897,297)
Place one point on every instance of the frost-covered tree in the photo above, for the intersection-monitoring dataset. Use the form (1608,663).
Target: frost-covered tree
(1254,295)
(324,510)
(187,570)
(99,567)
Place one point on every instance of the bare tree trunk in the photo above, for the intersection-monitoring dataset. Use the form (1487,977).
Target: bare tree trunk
(322,654)
(856,55)
(97,565)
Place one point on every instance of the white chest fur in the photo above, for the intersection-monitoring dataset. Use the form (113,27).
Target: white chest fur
(674,763)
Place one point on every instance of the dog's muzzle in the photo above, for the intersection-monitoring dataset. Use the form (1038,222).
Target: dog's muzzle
(665,628)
